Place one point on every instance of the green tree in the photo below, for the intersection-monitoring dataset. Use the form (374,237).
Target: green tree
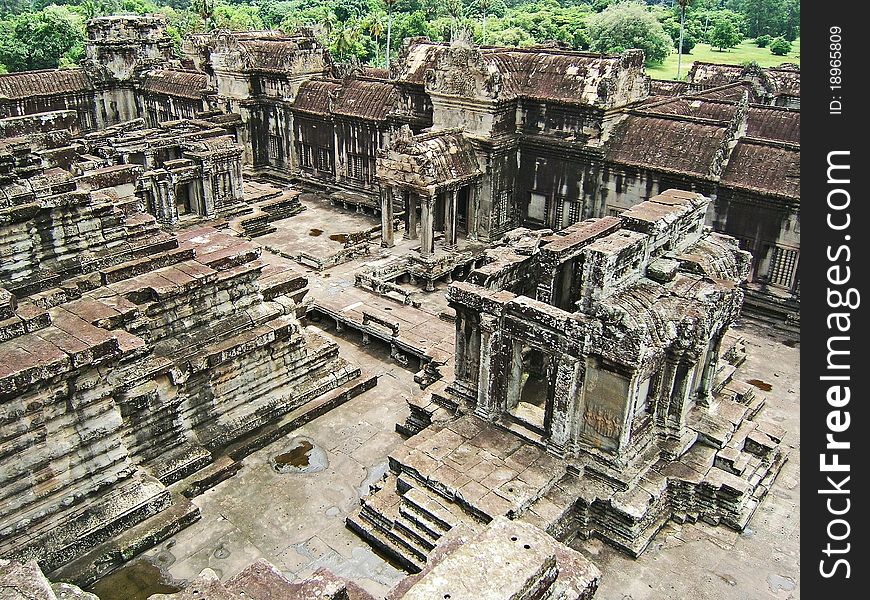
(683,4)
(724,35)
(389,4)
(374,24)
(763,41)
(456,10)
(780,46)
(629,25)
(206,11)
(46,39)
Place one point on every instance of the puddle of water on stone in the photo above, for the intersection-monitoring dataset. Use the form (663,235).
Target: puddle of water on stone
(792,343)
(135,581)
(339,237)
(762,385)
(302,457)
(778,583)
(315,232)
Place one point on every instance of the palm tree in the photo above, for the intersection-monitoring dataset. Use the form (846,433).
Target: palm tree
(376,30)
(484,7)
(205,10)
(390,4)
(683,4)
(344,40)
(454,9)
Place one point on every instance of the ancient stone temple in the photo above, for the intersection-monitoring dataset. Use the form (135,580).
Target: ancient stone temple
(587,369)
(545,254)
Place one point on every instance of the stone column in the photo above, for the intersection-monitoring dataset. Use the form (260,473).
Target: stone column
(682,393)
(563,414)
(410,215)
(450,220)
(387,237)
(669,374)
(208,193)
(489,341)
(427,233)
(472,209)
(708,376)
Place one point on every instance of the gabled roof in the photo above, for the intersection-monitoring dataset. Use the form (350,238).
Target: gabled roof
(367,99)
(184,84)
(676,145)
(50,82)
(774,123)
(547,74)
(764,167)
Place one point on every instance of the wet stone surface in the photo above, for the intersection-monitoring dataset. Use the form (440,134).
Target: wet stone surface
(137,581)
(303,456)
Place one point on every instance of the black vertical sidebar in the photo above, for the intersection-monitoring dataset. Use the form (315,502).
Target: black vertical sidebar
(835,371)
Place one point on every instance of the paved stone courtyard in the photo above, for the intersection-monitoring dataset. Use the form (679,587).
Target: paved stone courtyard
(296,521)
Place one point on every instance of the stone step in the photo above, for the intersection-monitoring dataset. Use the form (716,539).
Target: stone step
(404,553)
(114,553)
(360,382)
(411,530)
(183,460)
(426,503)
(423,522)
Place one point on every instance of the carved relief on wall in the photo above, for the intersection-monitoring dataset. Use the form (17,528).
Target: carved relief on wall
(602,421)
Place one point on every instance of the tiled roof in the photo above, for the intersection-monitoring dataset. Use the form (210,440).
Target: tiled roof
(542,74)
(764,167)
(673,145)
(185,84)
(313,96)
(359,98)
(689,106)
(18,86)
(772,123)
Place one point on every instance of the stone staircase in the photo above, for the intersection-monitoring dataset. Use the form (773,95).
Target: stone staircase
(273,206)
(406,520)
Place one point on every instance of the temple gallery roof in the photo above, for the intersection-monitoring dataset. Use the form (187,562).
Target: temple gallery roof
(428,160)
(360,98)
(673,145)
(773,123)
(19,86)
(186,84)
(766,167)
(782,80)
(689,106)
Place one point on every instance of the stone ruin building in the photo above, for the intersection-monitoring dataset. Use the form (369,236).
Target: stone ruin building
(588,375)
(599,232)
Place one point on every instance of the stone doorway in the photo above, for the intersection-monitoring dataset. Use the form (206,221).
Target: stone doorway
(183,199)
(531,387)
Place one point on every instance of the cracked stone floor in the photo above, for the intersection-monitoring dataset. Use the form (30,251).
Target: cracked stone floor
(296,521)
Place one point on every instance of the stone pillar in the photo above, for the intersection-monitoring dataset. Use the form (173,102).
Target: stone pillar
(208,193)
(708,376)
(682,393)
(387,237)
(450,219)
(563,414)
(472,210)
(427,232)
(669,374)
(489,342)
(410,215)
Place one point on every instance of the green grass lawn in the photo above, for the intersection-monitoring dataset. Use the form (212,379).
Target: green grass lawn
(745,52)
